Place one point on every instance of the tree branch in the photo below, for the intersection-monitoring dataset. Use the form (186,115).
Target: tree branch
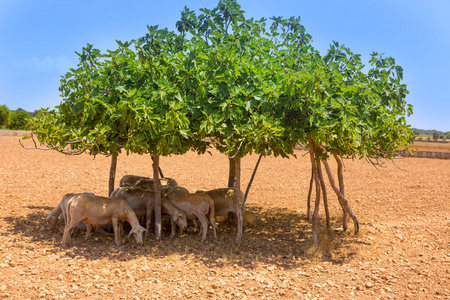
(239,148)
(62,150)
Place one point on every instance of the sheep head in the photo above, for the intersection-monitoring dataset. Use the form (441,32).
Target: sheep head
(138,231)
(181,220)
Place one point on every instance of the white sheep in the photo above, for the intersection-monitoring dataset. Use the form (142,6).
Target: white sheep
(199,206)
(97,210)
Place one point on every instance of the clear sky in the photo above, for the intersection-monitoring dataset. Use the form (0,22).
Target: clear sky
(38,40)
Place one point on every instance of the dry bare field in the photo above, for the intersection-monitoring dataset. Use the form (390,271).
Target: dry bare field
(430,146)
(402,251)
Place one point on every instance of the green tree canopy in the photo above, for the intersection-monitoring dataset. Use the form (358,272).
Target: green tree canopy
(19,120)
(247,85)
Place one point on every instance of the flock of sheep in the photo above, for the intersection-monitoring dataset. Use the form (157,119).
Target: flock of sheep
(134,200)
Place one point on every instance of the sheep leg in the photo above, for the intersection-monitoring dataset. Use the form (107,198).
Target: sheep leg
(173,228)
(204,223)
(196,226)
(88,230)
(67,235)
(214,226)
(117,235)
(200,228)
(121,232)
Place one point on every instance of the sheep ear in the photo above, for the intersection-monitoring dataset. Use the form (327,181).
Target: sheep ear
(131,231)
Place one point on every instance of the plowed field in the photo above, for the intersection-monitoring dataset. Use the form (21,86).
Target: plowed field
(402,251)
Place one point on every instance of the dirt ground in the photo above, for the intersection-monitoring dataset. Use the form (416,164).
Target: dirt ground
(402,251)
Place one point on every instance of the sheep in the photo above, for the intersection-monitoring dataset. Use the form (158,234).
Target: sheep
(128,180)
(60,209)
(225,202)
(199,206)
(142,201)
(97,210)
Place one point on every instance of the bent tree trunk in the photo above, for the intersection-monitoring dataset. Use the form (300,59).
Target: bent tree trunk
(156,186)
(342,201)
(112,173)
(317,202)
(238,200)
(342,190)
(325,198)
(311,181)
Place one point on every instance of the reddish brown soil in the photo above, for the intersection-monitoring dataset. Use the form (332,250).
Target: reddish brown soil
(402,250)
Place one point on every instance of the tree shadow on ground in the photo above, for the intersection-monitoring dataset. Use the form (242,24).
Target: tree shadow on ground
(276,237)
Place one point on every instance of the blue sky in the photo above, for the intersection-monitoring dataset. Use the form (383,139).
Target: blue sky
(38,40)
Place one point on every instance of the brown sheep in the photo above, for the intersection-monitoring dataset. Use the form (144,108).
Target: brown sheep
(60,209)
(97,210)
(199,206)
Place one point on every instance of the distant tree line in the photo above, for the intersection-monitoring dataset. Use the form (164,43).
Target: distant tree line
(15,119)
(431,134)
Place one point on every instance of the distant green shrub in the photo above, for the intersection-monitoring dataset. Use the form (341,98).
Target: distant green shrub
(5,116)
(19,120)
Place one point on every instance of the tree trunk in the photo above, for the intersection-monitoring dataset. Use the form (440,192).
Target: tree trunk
(342,190)
(342,201)
(238,200)
(250,182)
(316,180)
(311,181)
(232,172)
(325,198)
(112,174)
(159,169)
(156,186)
